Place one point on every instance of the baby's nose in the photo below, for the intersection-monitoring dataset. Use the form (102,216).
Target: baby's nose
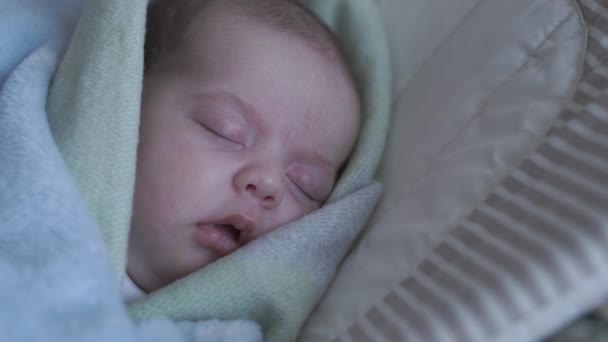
(261,183)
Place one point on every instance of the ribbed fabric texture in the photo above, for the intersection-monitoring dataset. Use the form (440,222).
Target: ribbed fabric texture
(534,255)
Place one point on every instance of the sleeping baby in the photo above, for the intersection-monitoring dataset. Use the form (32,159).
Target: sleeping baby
(249,111)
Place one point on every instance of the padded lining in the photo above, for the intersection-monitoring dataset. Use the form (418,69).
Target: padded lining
(480,103)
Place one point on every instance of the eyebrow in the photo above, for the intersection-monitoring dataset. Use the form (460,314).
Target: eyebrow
(253,115)
(233,100)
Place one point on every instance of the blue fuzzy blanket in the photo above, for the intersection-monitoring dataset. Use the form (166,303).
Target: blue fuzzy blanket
(57,281)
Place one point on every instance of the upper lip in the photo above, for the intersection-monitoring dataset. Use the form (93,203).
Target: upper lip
(243,224)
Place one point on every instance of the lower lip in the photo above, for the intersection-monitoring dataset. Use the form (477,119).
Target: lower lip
(211,237)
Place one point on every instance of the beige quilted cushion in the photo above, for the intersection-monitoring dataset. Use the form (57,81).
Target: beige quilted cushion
(478,85)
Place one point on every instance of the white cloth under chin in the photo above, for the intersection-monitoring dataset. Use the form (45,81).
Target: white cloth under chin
(130,291)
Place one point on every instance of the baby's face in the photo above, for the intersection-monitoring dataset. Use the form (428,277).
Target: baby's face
(243,129)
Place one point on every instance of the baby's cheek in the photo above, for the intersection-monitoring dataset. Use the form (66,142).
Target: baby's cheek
(158,194)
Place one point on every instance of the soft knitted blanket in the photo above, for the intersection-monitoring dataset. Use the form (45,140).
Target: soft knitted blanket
(51,249)
(56,277)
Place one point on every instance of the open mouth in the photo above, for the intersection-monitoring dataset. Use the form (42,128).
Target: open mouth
(225,236)
(218,237)
(230,231)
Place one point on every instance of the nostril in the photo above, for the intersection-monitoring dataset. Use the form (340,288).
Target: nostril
(250,187)
(268,199)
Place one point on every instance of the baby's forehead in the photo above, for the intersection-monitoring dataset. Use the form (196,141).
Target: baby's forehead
(194,18)
(288,17)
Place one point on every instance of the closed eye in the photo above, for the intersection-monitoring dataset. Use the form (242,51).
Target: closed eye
(215,133)
(301,191)
(219,138)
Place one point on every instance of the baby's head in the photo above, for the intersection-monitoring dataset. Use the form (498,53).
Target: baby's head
(249,111)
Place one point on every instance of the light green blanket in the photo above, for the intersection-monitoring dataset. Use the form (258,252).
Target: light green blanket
(277,280)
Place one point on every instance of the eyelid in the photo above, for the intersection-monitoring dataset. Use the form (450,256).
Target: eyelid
(314,190)
(226,127)
(221,136)
(301,190)
(211,130)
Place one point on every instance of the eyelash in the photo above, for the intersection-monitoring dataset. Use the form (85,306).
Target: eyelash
(302,191)
(219,135)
